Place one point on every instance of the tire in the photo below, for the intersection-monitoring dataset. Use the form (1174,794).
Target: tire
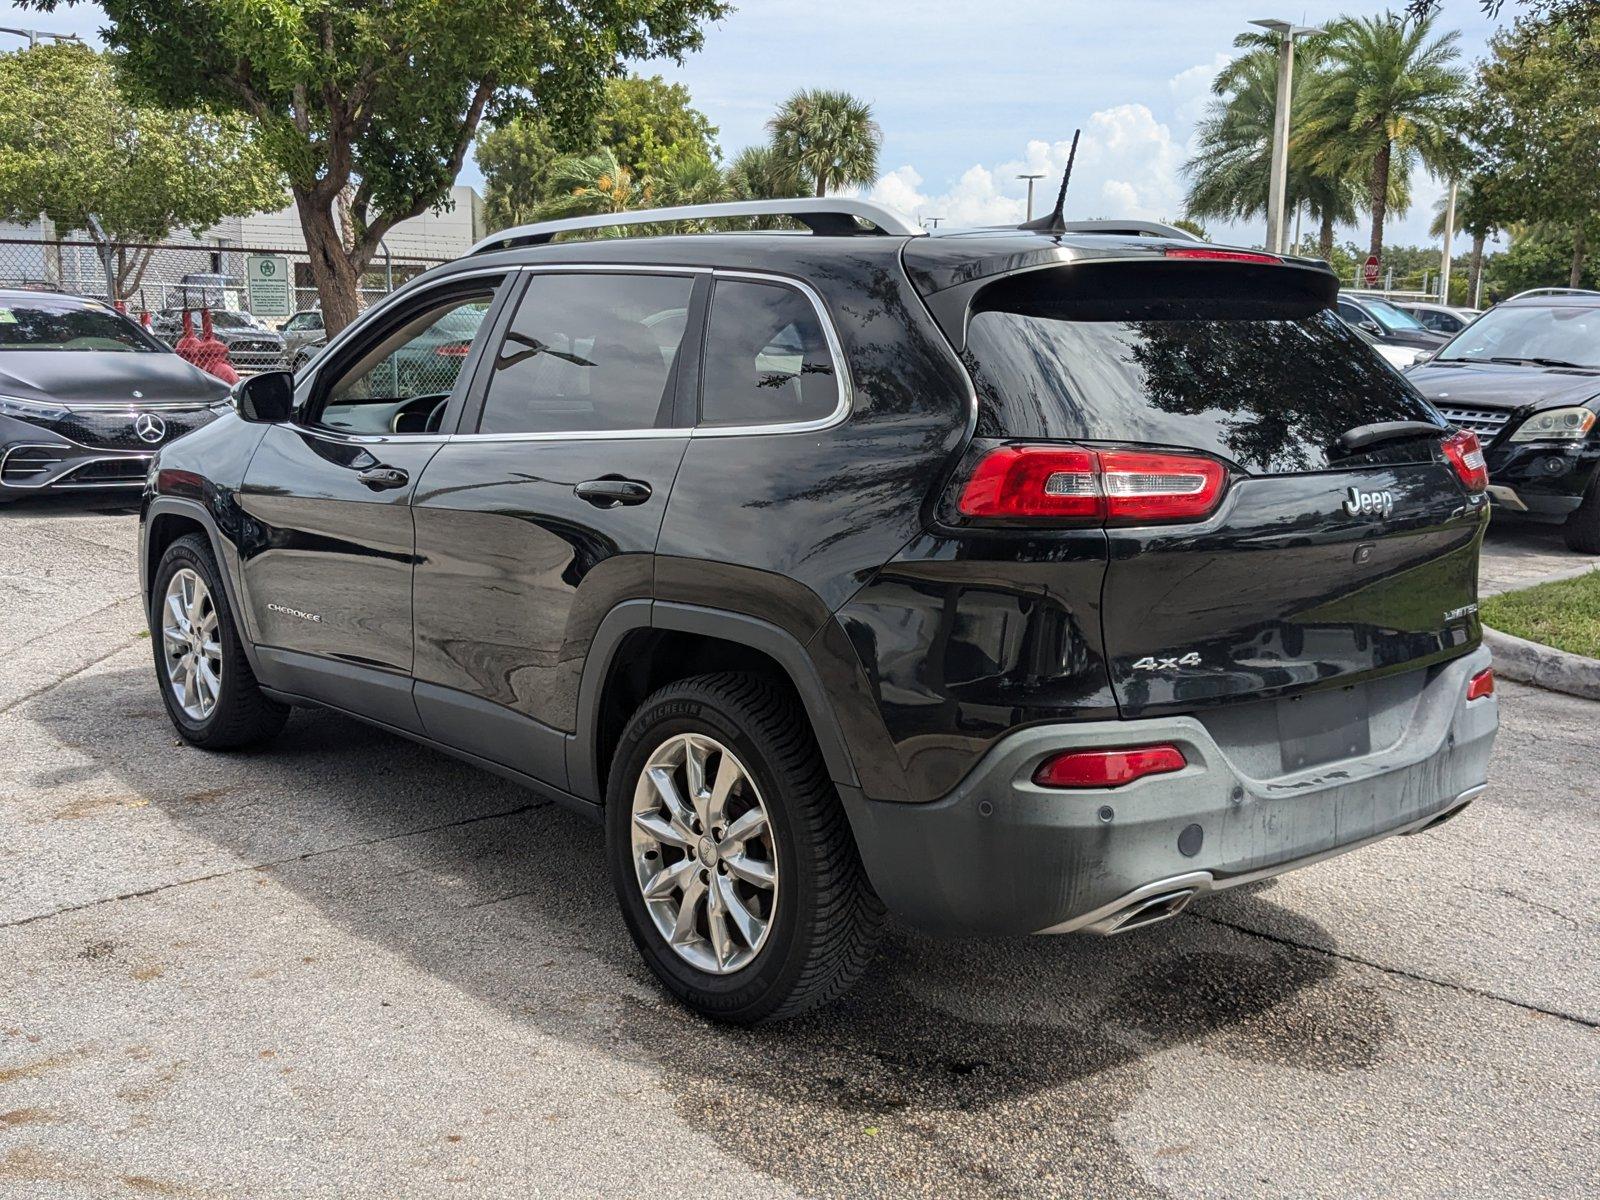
(238,713)
(822,920)
(1582,528)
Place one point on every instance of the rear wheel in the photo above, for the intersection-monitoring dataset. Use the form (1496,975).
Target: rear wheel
(731,856)
(206,681)
(1582,528)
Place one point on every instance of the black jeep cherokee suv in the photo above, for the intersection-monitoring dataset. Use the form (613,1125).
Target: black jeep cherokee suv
(1010,581)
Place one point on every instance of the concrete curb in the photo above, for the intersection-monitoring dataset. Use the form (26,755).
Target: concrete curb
(1530,662)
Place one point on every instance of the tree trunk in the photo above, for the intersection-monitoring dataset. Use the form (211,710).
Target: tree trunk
(336,278)
(1325,238)
(1378,193)
(822,184)
(1475,269)
(1580,251)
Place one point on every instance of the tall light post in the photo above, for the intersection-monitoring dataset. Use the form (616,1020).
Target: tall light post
(1030,179)
(1449,239)
(1287,33)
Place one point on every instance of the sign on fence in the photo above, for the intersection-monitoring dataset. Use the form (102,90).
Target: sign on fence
(270,285)
(1369,270)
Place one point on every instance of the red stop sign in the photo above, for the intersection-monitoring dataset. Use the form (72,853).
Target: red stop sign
(1369,272)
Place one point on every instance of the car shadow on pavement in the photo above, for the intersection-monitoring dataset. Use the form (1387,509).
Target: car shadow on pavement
(955,1067)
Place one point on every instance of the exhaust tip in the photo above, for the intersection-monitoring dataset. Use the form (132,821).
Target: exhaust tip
(1146,912)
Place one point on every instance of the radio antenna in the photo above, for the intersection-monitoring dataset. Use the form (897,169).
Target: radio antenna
(1053,222)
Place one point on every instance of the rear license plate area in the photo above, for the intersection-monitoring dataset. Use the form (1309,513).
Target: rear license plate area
(1320,727)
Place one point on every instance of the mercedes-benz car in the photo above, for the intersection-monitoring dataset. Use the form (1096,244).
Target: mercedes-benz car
(87,396)
(1525,377)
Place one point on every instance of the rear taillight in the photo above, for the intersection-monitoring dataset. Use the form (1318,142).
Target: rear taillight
(1070,484)
(1107,768)
(1481,684)
(1207,254)
(453,350)
(1462,451)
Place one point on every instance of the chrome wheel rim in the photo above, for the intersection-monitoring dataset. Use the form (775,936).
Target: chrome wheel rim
(191,645)
(704,854)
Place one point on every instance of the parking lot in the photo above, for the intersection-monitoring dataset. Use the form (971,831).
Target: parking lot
(347,966)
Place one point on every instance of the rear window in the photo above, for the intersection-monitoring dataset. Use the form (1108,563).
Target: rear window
(62,325)
(1231,361)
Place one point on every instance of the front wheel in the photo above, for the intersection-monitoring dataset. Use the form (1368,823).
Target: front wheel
(206,681)
(732,859)
(1582,528)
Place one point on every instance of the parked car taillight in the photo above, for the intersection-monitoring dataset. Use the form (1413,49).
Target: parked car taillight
(1075,485)
(1107,768)
(1464,454)
(453,350)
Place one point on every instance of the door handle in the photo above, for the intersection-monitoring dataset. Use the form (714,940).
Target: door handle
(381,478)
(610,492)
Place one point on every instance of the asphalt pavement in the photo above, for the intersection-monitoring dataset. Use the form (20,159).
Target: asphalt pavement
(346,966)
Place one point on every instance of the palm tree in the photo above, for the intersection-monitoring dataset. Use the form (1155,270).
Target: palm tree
(828,135)
(761,173)
(1472,217)
(1231,170)
(584,185)
(1382,102)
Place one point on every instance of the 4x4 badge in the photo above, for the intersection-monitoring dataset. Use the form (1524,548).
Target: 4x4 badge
(1191,659)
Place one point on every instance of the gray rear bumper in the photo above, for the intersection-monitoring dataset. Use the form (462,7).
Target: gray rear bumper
(1001,855)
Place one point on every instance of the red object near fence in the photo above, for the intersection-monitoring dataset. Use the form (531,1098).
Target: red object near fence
(212,352)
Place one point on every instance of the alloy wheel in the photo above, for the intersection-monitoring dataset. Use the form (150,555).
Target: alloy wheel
(704,854)
(191,644)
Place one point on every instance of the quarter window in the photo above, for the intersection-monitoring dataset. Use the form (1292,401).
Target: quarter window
(589,352)
(766,357)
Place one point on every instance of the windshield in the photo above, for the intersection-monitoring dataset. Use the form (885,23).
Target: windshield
(45,324)
(223,319)
(1562,335)
(1392,318)
(1269,385)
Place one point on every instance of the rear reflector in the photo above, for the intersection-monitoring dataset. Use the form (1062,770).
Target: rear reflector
(1070,484)
(1462,451)
(1482,684)
(1208,255)
(1107,768)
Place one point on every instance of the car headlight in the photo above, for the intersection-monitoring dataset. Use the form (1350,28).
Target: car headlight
(32,410)
(1556,425)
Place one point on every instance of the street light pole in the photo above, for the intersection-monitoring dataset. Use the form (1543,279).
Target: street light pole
(1030,179)
(1449,239)
(1279,179)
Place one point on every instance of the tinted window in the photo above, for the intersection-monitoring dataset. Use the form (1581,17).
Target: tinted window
(589,352)
(388,388)
(1269,385)
(766,359)
(1390,317)
(45,324)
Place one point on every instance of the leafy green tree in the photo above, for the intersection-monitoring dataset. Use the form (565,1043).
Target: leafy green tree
(650,127)
(1383,102)
(1539,106)
(74,148)
(384,100)
(1230,173)
(828,136)
(515,158)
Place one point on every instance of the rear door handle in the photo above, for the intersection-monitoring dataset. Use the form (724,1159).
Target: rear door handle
(381,478)
(610,492)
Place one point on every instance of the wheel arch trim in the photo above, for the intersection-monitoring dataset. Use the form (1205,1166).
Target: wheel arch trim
(193,510)
(583,767)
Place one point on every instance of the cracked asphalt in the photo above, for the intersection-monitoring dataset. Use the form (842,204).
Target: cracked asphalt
(344,966)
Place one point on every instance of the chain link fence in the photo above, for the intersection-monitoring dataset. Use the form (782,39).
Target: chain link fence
(261,299)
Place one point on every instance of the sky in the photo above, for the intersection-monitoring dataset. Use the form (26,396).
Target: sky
(970,95)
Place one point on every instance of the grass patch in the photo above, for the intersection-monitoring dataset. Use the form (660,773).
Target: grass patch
(1564,614)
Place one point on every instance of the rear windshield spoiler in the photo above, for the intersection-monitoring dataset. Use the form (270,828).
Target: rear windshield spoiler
(1239,286)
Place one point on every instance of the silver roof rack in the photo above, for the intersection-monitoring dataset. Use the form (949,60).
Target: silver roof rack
(1556,291)
(838,215)
(1137,228)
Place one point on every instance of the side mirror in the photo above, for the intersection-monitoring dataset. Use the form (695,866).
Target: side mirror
(1371,327)
(1423,356)
(266,398)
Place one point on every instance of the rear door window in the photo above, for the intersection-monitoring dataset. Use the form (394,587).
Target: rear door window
(1223,360)
(589,353)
